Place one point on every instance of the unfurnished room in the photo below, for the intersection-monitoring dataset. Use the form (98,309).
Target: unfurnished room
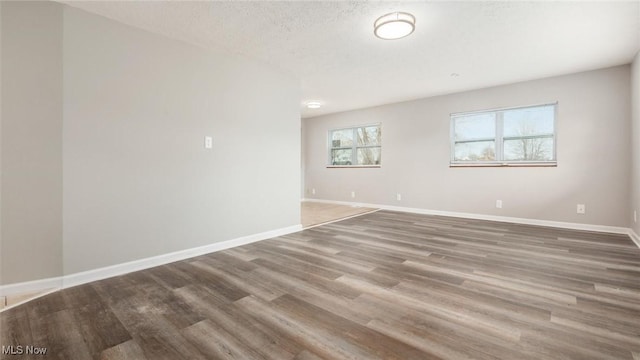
(304,180)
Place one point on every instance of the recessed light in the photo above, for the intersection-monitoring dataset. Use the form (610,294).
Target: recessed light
(455,74)
(313,105)
(395,25)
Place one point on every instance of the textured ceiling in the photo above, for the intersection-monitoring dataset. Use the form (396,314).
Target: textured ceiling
(330,46)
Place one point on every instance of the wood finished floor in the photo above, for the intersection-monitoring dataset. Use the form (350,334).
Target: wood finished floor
(312,214)
(384,285)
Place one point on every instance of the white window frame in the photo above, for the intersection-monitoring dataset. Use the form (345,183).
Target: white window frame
(499,139)
(354,147)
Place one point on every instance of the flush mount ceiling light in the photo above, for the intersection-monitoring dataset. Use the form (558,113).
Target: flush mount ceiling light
(313,105)
(395,25)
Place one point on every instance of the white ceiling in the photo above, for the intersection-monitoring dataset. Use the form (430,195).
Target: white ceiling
(331,48)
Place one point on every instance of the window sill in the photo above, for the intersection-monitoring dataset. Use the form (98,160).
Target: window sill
(528,164)
(353,166)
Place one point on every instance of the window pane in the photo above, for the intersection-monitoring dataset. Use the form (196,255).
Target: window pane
(529,121)
(341,157)
(369,156)
(475,126)
(475,151)
(342,138)
(369,135)
(532,149)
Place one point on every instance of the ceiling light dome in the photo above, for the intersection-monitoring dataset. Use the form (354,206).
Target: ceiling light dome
(395,25)
(313,104)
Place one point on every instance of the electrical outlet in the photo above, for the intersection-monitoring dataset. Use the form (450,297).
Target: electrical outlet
(581,209)
(398,197)
(499,204)
(353,194)
(313,191)
(635,216)
(208,142)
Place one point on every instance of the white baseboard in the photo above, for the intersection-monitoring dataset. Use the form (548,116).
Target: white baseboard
(124,268)
(558,224)
(635,237)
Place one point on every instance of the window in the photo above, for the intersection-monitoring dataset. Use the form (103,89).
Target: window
(516,136)
(358,146)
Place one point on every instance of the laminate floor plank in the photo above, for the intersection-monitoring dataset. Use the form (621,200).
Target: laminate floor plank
(249,282)
(303,244)
(172,308)
(327,343)
(321,259)
(341,266)
(298,263)
(566,344)
(125,351)
(212,281)
(215,342)
(64,338)
(224,260)
(307,355)
(157,337)
(377,344)
(169,277)
(383,285)
(15,329)
(100,327)
(245,330)
(316,282)
(331,301)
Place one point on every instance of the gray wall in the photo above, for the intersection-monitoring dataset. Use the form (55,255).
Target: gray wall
(137,179)
(103,157)
(593,154)
(31,222)
(635,134)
